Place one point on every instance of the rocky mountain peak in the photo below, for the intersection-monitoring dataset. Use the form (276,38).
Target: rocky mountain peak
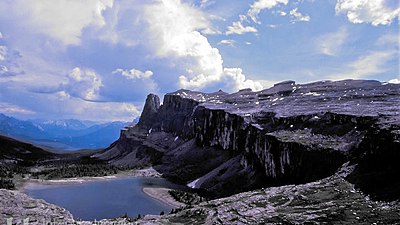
(150,110)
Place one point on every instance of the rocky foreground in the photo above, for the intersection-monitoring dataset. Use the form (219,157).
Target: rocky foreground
(328,201)
(18,208)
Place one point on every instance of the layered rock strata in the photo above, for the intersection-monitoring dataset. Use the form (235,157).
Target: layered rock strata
(288,134)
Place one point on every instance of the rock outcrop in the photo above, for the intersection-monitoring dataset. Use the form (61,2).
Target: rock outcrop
(288,134)
(18,208)
(328,201)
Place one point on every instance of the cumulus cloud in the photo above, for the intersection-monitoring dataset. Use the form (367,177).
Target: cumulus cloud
(83,83)
(376,12)
(238,28)
(235,78)
(134,73)
(232,79)
(62,20)
(394,81)
(175,32)
(260,5)
(330,44)
(297,16)
(371,64)
(169,33)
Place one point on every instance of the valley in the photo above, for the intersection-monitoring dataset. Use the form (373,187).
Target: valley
(318,153)
(62,134)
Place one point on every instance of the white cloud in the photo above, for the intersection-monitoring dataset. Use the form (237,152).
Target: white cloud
(238,28)
(9,108)
(297,16)
(83,83)
(174,31)
(134,73)
(228,42)
(61,105)
(6,71)
(330,44)
(282,13)
(62,20)
(232,79)
(9,65)
(206,3)
(389,39)
(235,78)
(371,64)
(3,69)
(272,26)
(394,81)
(1,35)
(3,52)
(260,5)
(376,12)
(169,32)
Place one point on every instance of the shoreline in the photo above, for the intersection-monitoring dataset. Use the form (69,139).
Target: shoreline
(162,194)
(146,172)
(158,193)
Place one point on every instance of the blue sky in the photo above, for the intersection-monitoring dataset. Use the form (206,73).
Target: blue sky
(98,59)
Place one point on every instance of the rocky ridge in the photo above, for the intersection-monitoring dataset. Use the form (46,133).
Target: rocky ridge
(289,134)
(330,200)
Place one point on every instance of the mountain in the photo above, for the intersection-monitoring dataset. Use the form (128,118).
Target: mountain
(289,134)
(60,127)
(17,128)
(97,136)
(12,150)
(62,134)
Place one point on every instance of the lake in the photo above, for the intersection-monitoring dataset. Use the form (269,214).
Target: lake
(103,199)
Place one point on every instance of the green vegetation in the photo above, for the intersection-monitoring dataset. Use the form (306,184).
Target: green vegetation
(186,197)
(9,172)
(83,166)
(70,171)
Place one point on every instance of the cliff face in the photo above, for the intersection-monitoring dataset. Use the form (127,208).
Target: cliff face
(225,143)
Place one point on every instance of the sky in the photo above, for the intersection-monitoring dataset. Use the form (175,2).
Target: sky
(98,59)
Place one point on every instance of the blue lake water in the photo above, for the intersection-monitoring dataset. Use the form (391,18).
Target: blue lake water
(105,198)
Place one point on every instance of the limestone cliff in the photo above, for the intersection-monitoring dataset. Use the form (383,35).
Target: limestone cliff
(288,134)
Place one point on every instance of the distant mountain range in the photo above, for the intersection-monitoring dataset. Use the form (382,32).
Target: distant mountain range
(62,134)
